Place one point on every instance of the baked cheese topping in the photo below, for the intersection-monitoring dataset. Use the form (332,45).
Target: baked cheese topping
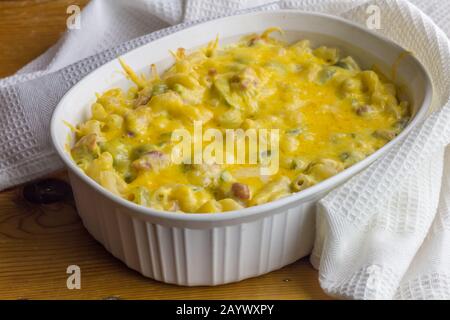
(329,114)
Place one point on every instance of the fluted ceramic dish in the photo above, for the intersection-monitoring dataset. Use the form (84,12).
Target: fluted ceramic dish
(213,249)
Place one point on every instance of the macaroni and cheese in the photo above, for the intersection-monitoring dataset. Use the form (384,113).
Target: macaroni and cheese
(329,114)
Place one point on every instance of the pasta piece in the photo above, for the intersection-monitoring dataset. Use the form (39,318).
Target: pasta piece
(140,195)
(120,154)
(102,171)
(205,175)
(370,81)
(329,55)
(90,127)
(173,103)
(99,112)
(143,97)
(85,150)
(311,71)
(302,182)
(210,206)
(183,79)
(104,162)
(326,74)
(325,168)
(231,119)
(111,181)
(152,160)
(364,109)
(230,205)
(190,198)
(289,144)
(348,63)
(352,157)
(351,85)
(114,123)
(137,121)
(272,191)
(384,134)
(302,46)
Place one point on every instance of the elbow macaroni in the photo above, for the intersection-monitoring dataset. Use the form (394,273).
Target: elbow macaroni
(329,112)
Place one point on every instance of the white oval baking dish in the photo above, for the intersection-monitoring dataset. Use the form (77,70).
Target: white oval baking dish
(212,249)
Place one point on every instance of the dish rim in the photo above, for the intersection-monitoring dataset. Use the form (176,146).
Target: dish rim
(298,197)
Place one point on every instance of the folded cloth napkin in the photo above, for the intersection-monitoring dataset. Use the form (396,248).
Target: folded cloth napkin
(385,234)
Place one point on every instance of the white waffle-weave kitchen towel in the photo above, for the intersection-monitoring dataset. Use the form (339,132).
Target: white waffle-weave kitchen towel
(385,234)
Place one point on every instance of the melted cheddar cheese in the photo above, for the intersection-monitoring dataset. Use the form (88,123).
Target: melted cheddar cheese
(330,115)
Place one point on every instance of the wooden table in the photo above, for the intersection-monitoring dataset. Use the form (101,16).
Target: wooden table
(39,242)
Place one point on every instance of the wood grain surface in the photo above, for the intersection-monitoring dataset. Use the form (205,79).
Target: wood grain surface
(39,242)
